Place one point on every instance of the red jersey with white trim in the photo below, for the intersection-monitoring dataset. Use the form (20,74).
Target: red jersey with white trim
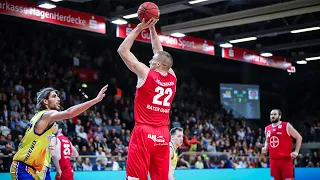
(279,140)
(66,151)
(153,99)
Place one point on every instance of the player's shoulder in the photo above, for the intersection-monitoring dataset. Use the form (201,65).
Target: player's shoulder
(268,126)
(46,113)
(285,123)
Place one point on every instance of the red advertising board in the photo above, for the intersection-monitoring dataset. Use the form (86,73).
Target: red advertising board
(86,75)
(253,57)
(187,43)
(58,16)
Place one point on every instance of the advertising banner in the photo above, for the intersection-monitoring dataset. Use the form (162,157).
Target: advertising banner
(253,57)
(58,16)
(187,43)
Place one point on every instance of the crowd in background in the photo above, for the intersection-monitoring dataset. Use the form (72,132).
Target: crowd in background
(34,59)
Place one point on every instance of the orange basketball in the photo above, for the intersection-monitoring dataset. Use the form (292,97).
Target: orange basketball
(148,10)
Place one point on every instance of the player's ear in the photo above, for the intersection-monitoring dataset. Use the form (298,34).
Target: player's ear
(45,101)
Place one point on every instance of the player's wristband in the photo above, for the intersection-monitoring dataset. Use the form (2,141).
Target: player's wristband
(295,153)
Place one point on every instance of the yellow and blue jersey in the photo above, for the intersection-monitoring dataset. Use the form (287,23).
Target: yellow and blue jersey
(32,149)
(174,159)
(45,173)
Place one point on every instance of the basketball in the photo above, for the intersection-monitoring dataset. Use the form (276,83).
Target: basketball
(148,10)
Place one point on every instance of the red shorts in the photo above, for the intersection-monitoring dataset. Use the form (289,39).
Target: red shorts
(282,169)
(67,174)
(148,152)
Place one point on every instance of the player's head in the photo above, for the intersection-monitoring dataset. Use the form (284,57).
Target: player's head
(60,128)
(177,136)
(275,115)
(162,60)
(48,98)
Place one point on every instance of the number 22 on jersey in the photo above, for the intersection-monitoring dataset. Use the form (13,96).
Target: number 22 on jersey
(167,92)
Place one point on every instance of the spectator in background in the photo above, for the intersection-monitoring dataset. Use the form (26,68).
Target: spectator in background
(315,158)
(98,166)
(3,142)
(4,129)
(11,143)
(176,122)
(207,164)
(78,127)
(101,155)
(82,134)
(14,113)
(17,142)
(19,88)
(199,163)
(114,164)
(97,119)
(15,102)
(242,163)
(98,134)
(87,166)
(77,166)
(306,160)
(310,164)
(5,114)
(23,123)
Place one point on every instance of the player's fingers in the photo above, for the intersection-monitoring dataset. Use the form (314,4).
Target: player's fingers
(154,22)
(150,21)
(105,88)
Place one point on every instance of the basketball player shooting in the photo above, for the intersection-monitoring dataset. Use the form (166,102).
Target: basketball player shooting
(175,143)
(156,86)
(279,144)
(31,153)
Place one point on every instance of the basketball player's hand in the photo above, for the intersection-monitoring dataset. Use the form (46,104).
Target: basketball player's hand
(294,155)
(264,150)
(59,172)
(101,94)
(144,25)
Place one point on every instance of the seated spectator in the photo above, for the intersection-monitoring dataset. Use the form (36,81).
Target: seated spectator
(199,163)
(98,166)
(87,166)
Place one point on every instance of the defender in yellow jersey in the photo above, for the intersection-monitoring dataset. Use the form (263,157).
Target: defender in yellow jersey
(45,173)
(175,143)
(31,153)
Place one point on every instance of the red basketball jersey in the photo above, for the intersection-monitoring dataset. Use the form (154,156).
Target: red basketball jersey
(153,99)
(66,151)
(279,140)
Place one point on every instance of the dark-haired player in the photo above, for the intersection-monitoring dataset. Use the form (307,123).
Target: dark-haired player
(31,153)
(64,151)
(279,144)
